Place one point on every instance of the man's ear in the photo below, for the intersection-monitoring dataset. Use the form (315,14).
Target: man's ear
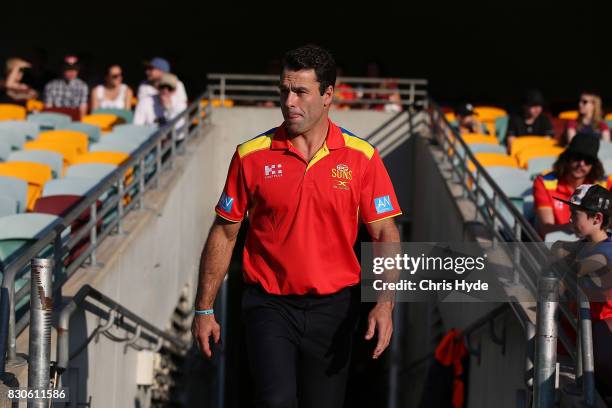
(328,96)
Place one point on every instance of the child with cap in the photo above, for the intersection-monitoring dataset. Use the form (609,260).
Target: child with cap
(591,258)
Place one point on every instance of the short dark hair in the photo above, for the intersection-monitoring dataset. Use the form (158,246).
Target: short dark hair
(605,222)
(313,57)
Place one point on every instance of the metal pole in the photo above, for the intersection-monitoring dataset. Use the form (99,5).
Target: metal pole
(141,183)
(546,342)
(4,318)
(120,207)
(93,233)
(586,350)
(41,309)
(220,401)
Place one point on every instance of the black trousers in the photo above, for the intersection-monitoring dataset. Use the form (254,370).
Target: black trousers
(299,347)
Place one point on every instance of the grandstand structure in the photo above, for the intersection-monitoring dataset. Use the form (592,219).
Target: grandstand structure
(123,211)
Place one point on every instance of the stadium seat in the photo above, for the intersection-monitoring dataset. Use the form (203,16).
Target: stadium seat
(12,137)
(8,205)
(514,182)
(105,121)
(607,165)
(559,126)
(24,128)
(122,146)
(568,115)
(95,171)
(51,159)
(131,129)
(471,138)
(133,139)
(34,105)
(5,150)
(126,115)
(17,189)
(450,116)
(524,142)
(35,174)
(493,160)
(487,148)
(68,186)
(489,113)
(8,111)
(73,113)
(56,204)
(49,120)
(560,236)
(538,165)
(19,229)
(72,137)
(115,158)
(68,151)
(93,132)
(529,153)
(605,150)
(501,128)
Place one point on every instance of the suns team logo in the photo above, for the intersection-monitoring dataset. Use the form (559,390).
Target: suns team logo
(342,175)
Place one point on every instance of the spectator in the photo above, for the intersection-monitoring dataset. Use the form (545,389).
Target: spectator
(577,165)
(113,93)
(14,90)
(161,107)
(466,120)
(590,118)
(154,71)
(68,91)
(342,93)
(532,121)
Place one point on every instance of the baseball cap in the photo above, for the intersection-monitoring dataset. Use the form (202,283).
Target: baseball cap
(168,80)
(534,98)
(590,197)
(465,109)
(160,63)
(585,144)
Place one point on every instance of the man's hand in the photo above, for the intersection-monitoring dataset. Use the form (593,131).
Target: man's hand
(380,320)
(202,328)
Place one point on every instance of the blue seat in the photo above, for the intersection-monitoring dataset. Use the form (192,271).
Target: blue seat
(50,120)
(93,132)
(514,182)
(18,230)
(124,114)
(607,165)
(487,148)
(16,188)
(68,186)
(114,145)
(12,137)
(5,150)
(135,139)
(605,150)
(8,205)
(131,129)
(51,159)
(501,128)
(29,129)
(95,171)
(538,165)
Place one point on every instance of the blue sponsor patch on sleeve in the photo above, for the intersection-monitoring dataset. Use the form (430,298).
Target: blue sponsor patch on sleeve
(383,204)
(226,202)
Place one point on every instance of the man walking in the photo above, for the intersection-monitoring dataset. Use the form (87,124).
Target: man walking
(305,187)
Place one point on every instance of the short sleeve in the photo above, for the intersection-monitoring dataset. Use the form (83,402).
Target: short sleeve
(84,93)
(541,198)
(603,126)
(377,198)
(234,199)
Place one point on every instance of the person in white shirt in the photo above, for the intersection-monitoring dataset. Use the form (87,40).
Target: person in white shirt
(113,94)
(154,71)
(162,107)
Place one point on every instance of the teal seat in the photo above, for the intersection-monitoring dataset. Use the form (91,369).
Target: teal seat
(29,129)
(8,205)
(501,128)
(68,186)
(51,159)
(134,139)
(126,115)
(514,182)
(487,148)
(538,165)
(5,150)
(131,129)
(16,188)
(93,132)
(24,226)
(13,137)
(560,236)
(114,145)
(95,171)
(49,120)
(605,150)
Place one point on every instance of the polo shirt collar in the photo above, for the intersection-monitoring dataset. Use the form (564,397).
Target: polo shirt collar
(333,140)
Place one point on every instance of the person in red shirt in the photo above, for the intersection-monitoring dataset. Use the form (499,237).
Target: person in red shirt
(577,165)
(305,186)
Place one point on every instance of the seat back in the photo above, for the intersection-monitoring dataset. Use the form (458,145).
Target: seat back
(79,139)
(525,142)
(49,120)
(105,121)
(93,132)
(95,171)
(51,159)
(8,205)
(527,154)
(68,186)
(68,151)
(16,188)
(35,174)
(9,111)
(115,158)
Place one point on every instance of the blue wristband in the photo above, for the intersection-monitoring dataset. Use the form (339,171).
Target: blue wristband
(205,312)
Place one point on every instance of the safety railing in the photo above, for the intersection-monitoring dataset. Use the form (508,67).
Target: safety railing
(104,207)
(507,224)
(357,91)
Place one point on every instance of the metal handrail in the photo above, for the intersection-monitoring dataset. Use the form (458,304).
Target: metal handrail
(51,235)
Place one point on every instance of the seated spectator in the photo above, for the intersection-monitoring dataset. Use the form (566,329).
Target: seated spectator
(68,91)
(342,93)
(162,107)
(590,118)
(466,120)
(532,121)
(577,165)
(14,90)
(154,71)
(113,94)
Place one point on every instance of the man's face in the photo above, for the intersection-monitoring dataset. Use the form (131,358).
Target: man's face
(534,111)
(582,224)
(71,74)
(302,104)
(467,121)
(153,74)
(580,165)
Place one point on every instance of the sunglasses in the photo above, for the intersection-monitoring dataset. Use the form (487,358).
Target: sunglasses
(576,157)
(585,101)
(168,87)
(115,76)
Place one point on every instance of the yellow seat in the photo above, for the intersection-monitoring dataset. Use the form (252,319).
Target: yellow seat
(489,113)
(8,111)
(450,116)
(68,150)
(115,158)
(79,139)
(608,116)
(471,138)
(525,155)
(105,121)
(524,142)
(569,115)
(492,160)
(34,105)
(35,174)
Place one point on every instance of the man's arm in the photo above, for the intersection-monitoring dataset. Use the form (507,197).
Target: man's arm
(380,319)
(214,262)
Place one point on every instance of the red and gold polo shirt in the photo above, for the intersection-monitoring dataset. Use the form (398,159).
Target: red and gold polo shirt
(304,216)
